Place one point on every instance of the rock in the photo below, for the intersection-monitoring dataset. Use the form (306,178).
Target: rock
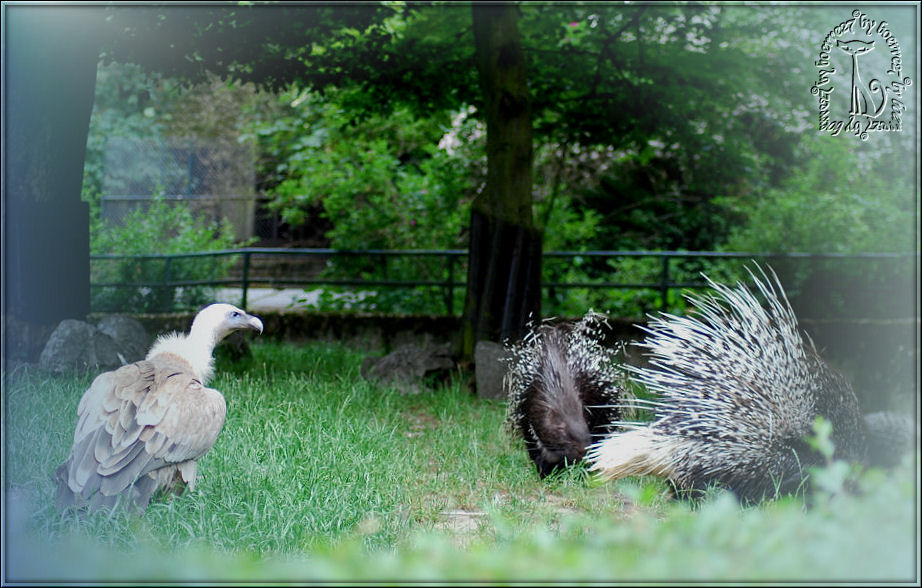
(78,346)
(490,369)
(410,367)
(67,346)
(129,335)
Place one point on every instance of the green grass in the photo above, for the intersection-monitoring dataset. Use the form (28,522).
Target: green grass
(321,475)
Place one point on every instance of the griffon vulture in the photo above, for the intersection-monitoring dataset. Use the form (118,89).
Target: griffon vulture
(143,426)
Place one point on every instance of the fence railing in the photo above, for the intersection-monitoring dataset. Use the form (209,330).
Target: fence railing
(452,275)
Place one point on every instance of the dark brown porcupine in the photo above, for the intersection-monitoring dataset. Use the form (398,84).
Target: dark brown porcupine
(738,392)
(563,391)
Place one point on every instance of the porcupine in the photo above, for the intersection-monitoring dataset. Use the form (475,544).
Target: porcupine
(563,390)
(738,391)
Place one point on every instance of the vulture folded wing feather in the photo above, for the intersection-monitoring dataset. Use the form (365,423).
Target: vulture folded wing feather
(129,382)
(129,430)
(187,470)
(126,416)
(84,461)
(101,404)
(154,405)
(102,451)
(133,467)
(118,461)
(110,399)
(138,419)
(115,471)
(142,443)
(191,423)
(156,441)
(137,387)
(177,421)
(111,426)
(147,433)
(90,414)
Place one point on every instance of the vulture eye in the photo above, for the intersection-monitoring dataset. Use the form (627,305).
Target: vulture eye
(235,314)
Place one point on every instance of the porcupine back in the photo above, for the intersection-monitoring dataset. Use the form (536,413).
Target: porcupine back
(738,389)
(563,390)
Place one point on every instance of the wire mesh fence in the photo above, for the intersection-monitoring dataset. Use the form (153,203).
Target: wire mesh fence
(214,177)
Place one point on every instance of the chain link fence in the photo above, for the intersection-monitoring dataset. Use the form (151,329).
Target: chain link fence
(215,177)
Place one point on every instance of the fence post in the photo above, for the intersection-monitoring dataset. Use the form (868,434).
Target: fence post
(245,279)
(664,284)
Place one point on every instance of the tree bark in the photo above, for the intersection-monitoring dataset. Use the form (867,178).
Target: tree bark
(503,289)
(50,61)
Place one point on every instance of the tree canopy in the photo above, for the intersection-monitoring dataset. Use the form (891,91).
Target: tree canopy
(665,125)
(696,112)
(711,98)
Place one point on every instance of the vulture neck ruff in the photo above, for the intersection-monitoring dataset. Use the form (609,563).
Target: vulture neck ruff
(196,347)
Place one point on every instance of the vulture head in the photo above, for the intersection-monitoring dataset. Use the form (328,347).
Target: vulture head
(220,320)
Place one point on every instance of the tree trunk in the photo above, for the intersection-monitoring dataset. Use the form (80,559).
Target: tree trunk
(504,267)
(50,61)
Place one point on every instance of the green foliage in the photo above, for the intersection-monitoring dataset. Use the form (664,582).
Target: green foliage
(656,127)
(212,109)
(129,103)
(160,228)
(143,123)
(320,475)
(842,198)
(381,183)
(132,106)
(831,479)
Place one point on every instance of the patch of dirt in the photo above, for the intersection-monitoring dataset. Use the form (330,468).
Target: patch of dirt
(419,423)
(462,524)
(461,521)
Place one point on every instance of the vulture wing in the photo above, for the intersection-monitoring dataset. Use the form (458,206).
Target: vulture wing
(139,428)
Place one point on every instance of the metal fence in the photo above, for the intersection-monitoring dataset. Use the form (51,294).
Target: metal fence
(449,273)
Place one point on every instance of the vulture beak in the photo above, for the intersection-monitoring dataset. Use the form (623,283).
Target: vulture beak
(256,324)
(252,322)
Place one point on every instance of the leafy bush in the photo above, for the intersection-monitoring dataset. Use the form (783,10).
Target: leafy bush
(133,106)
(161,228)
(845,198)
(378,183)
(129,103)
(842,198)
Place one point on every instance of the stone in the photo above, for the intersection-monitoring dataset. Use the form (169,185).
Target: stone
(129,335)
(79,346)
(411,367)
(489,369)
